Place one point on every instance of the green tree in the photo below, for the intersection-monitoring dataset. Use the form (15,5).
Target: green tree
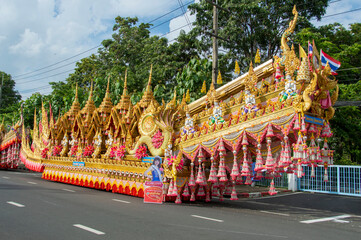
(9,101)
(251,24)
(192,77)
(340,43)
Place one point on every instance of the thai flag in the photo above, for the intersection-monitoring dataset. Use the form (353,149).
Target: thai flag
(334,64)
(310,49)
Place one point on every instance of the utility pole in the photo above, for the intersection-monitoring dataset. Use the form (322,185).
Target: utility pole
(215,37)
(215,44)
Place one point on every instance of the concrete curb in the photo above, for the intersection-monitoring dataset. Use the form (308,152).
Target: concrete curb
(257,194)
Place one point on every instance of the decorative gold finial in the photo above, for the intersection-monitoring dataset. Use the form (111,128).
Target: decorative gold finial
(124,102)
(35,129)
(108,84)
(237,70)
(91,91)
(106,105)
(257,58)
(304,71)
(76,92)
(250,71)
(204,87)
(149,86)
(125,89)
(75,107)
(89,105)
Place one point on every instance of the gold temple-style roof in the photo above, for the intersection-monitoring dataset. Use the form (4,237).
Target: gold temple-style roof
(148,94)
(89,105)
(35,129)
(106,105)
(75,107)
(124,102)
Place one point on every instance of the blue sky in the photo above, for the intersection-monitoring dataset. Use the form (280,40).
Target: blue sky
(38,33)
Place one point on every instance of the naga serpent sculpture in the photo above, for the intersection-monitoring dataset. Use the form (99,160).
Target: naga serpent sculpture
(163,118)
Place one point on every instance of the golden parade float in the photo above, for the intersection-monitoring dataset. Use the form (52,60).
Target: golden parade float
(275,116)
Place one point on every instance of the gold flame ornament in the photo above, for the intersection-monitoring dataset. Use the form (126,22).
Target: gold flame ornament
(204,87)
(188,98)
(237,70)
(219,78)
(257,58)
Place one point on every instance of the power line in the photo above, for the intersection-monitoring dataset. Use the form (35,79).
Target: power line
(170,12)
(176,29)
(166,21)
(45,71)
(185,13)
(35,89)
(58,62)
(34,80)
(352,10)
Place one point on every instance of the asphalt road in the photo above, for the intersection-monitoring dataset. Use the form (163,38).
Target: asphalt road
(32,208)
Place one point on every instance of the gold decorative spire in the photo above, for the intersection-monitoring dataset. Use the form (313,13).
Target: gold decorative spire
(125,89)
(89,106)
(35,129)
(149,86)
(124,102)
(211,94)
(106,105)
(204,87)
(148,94)
(304,73)
(91,91)
(75,107)
(237,70)
(107,91)
(257,58)
(250,71)
(251,79)
(76,92)
(44,117)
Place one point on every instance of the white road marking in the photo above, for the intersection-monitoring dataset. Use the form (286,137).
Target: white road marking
(68,190)
(341,221)
(88,229)
(326,219)
(32,182)
(211,219)
(276,213)
(118,200)
(15,204)
(6,177)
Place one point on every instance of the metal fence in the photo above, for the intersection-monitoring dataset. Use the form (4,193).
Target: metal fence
(280,182)
(344,180)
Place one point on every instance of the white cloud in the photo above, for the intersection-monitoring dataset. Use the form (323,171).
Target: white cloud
(180,23)
(344,18)
(38,33)
(30,44)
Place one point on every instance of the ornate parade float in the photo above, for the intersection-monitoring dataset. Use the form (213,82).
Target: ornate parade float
(10,146)
(275,116)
